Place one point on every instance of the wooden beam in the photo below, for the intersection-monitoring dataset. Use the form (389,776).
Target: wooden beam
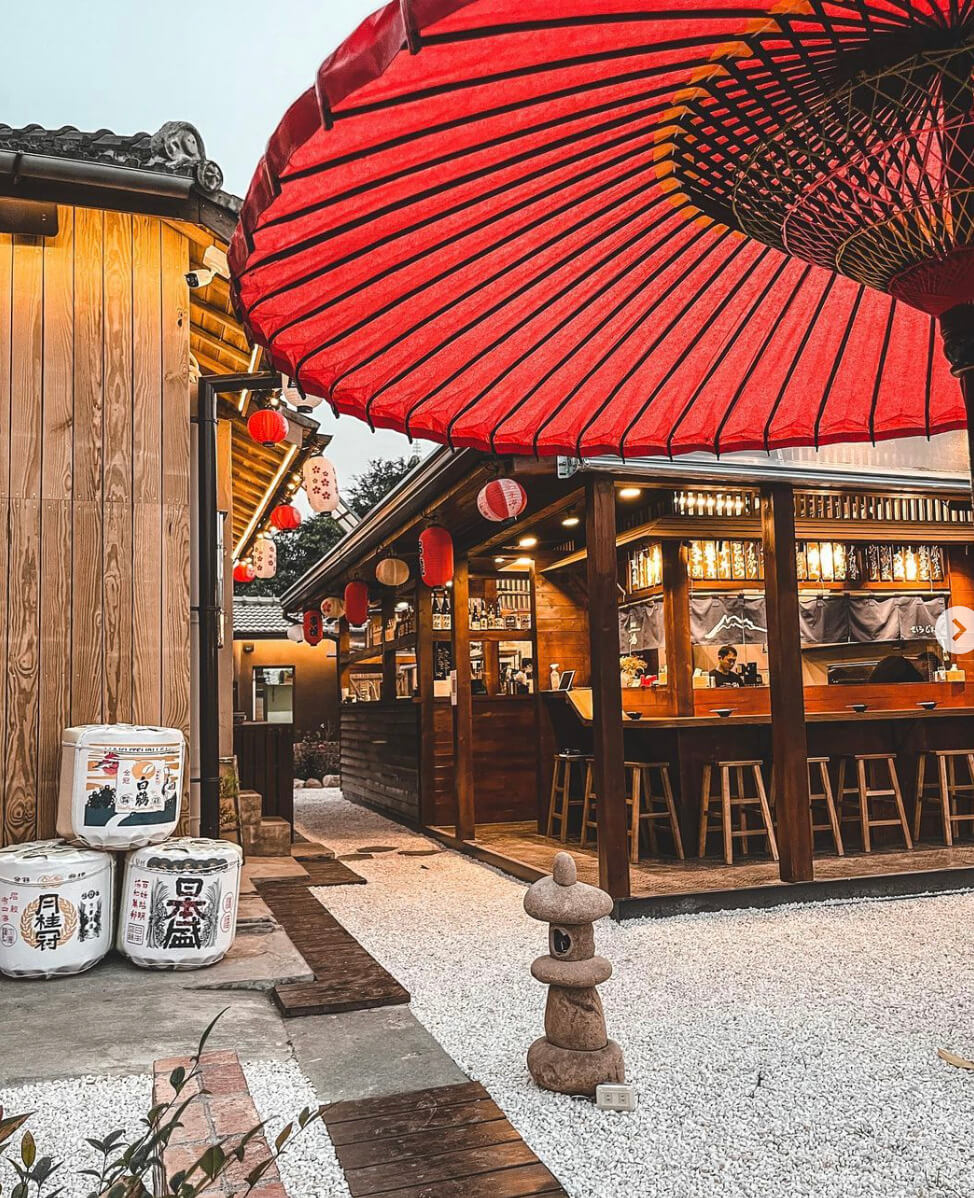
(463,710)
(216,345)
(789,750)
(388,650)
(676,623)
(607,740)
(424,675)
(507,533)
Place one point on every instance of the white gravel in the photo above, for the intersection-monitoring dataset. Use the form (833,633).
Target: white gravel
(309,1167)
(68,1112)
(786,1052)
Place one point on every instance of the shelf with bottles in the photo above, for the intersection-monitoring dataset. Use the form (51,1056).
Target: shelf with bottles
(442,601)
(500,604)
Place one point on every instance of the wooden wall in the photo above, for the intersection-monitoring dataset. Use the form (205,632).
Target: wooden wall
(94,493)
(380,756)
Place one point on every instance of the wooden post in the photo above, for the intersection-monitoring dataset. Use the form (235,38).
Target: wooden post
(676,622)
(607,739)
(388,691)
(424,675)
(463,711)
(789,749)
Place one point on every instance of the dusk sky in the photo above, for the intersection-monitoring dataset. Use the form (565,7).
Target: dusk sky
(230,69)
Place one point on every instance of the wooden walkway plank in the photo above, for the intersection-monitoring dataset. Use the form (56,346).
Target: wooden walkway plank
(387,1127)
(328,872)
(480,1134)
(346,977)
(399,1174)
(417,1101)
(522,1181)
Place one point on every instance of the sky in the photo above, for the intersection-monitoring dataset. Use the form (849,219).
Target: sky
(229,68)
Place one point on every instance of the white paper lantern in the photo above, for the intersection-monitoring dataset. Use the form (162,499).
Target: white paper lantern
(320,484)
(333,608)
(265,557)
(392,572)
(303,403)
(295,633)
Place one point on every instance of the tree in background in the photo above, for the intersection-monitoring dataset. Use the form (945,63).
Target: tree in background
(298,551)
(376,481)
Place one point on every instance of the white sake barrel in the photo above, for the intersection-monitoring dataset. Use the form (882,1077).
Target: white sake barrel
(121,784)
(179,903)
(57,907)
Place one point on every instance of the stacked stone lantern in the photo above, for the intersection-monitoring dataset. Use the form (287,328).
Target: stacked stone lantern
(575,1054)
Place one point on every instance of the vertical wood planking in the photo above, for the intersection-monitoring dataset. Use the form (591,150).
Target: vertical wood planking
(676,623)
(6,319)
(117,540)
(147,441)
(87,612)
(57,470)
(463,738)
(23,599)
(175,479)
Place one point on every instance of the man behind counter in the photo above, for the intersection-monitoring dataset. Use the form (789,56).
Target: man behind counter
(724,674)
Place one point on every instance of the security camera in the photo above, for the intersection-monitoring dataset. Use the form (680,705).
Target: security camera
(199,278)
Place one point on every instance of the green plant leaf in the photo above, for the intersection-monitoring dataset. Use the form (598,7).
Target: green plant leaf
(206,1034)
(281,1138)
(177,1078)
(176,1181)
(11,1124)
(28,1149)
(212,1160)
(258,1171)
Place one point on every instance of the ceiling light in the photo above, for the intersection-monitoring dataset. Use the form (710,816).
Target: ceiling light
(524,561)
(630,492)
(570,521)
(527,542)
(499,560)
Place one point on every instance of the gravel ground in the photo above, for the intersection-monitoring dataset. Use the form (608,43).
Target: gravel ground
(786,1052)
(309,1167)
(65,1114)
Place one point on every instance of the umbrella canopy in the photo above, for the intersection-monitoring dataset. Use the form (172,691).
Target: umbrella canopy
(625,226)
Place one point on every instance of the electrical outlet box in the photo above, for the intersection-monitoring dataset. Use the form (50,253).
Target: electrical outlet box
(611,1097)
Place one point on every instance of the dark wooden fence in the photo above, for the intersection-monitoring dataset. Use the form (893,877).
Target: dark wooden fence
(265,760)
(380,755)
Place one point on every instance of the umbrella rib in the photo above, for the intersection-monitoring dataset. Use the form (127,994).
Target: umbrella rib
(566,357)
(656,302)
(796,357)
(547,301)
(658,340)
(759,354)
(877,387)
(728,345)
(574,202)
(628,269)
(840,353)
(421,225)
(569,139)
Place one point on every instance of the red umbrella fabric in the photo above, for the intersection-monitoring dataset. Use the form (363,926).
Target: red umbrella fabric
(622,226)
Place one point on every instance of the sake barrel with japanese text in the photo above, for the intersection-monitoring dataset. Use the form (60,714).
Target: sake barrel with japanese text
(57,907)
(121,784)
(179,903)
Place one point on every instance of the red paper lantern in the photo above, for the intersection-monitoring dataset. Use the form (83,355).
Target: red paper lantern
(243,572)
(286,517)
(501,499)
(313,626)
(267,426)
(356,603)
(435,556)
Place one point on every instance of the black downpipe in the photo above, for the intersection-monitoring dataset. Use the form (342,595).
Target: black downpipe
(209,610)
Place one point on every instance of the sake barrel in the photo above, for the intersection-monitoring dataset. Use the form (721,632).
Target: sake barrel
(179,903)
(121,784)
(56,908)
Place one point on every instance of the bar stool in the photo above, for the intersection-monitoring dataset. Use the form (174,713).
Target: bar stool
(561,802)
(825,797)
(731,797)
(866,793)
(944,789)
(657,804)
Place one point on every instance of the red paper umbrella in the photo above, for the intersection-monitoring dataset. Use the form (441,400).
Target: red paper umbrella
(313,626)
(501,499)
(631,226)
(243,572)
(267,426)
(435,556)
(286,517)
(356,603)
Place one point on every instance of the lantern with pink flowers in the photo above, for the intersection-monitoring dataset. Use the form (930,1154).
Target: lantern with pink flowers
(501,499)
(333,607)
(320,483)
(265,558)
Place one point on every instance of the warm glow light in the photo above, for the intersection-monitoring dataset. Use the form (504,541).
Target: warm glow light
(499,560)
(630,492)
(524,561)
(570,521)
(527,542)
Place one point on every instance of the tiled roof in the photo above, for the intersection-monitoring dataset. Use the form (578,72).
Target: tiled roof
(260,616)
(175,149)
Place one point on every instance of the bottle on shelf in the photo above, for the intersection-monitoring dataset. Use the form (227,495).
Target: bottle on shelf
(446,612)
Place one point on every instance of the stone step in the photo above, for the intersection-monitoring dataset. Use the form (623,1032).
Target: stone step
(270,838)
(251,807)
